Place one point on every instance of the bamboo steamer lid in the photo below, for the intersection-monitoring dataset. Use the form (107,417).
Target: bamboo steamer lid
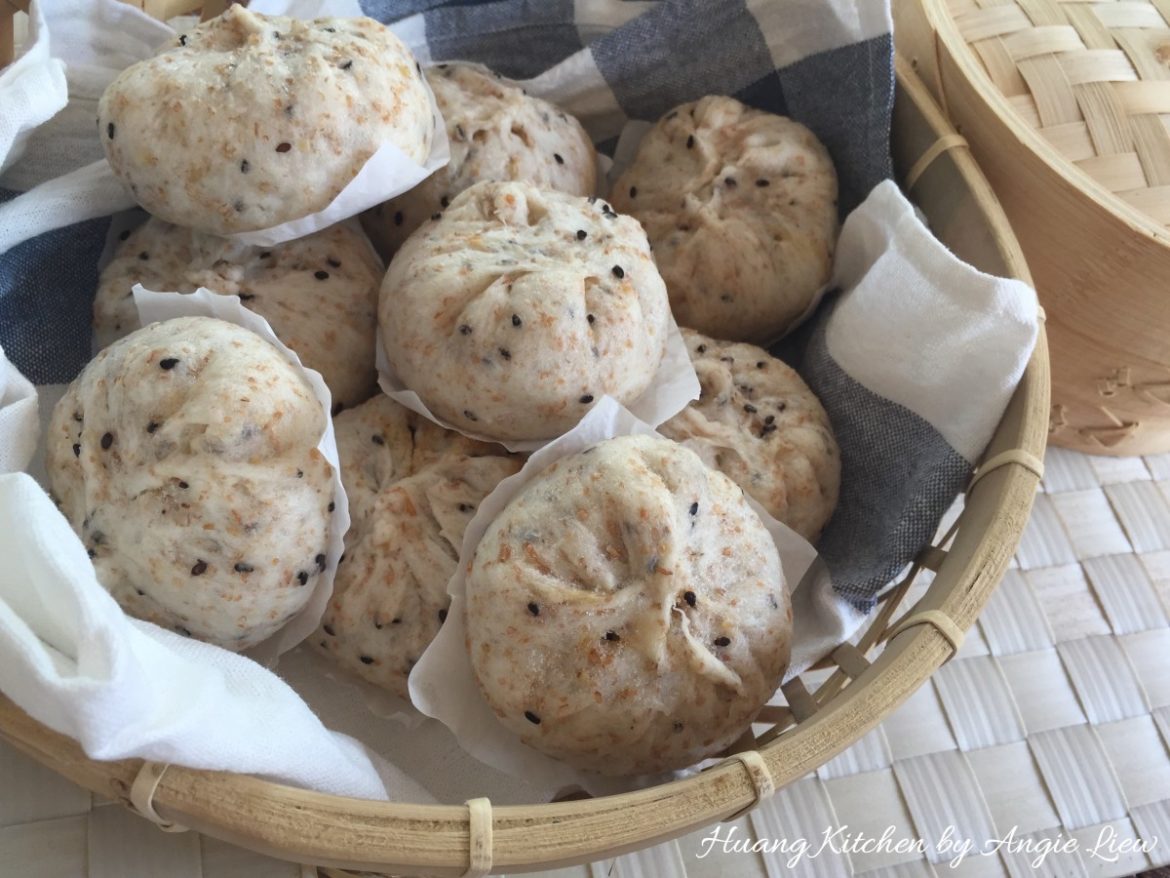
(1066,105)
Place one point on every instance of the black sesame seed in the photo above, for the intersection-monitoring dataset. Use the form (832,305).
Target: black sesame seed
(727,359)
(460,132)
(586,399)
(144,256)
(283,147)
(366,660)
(302,577)
(110,130)
(690,141)
(762,183)
(695,508)
(107,441)
(436,216)
(582,234)
(701,349)
(241,567)
(91,553)
(689,597)
(769,419)
(678,727)
(184,485)
(750,409)
(265,254)
(590,318)
(320,559)
(346,65)
(534,609)
(470,415)
(300,474)
(124,235)
(169,363)
(766,429)
(200,568)
(532,717)
(612,636)
(445,201)
(330,30)
(722,641)
(418,67)
(464,329)
(183,40)
(245,166)
(505,353)
(618,272)
(76,450)
(761,365)
(328,629)
(633,192)
(398,218)
(560,159)
(247,297)
(152,426)
(332,506)
(333,263)
(729,182)
(238,206)
(321,275)
(442,616)
(378,439)
(516,321)
(397,620)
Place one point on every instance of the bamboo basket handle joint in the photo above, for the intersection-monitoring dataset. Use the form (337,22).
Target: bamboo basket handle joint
(142,795)
(760,775)
(1017,456)
(479,828)
(945,143)
(940,622)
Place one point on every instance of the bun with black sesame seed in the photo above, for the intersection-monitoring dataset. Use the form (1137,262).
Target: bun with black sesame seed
(412,489)
(185,457)
(626,611)
(741,208)
(508,324)
(496,132)
(318,293)
(251,121)
(757,422)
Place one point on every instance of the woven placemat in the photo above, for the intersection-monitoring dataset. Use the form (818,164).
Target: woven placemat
(1052,724)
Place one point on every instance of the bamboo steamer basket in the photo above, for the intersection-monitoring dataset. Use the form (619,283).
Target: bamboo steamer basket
(1066,105)
(340,834)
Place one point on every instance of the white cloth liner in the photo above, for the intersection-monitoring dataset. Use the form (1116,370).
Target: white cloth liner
(673,386)
(32,90)
(884,246)
(94,191)
(443,684)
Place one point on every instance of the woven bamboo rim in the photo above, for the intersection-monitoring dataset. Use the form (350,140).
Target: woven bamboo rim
(339,833)
(1066,104)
